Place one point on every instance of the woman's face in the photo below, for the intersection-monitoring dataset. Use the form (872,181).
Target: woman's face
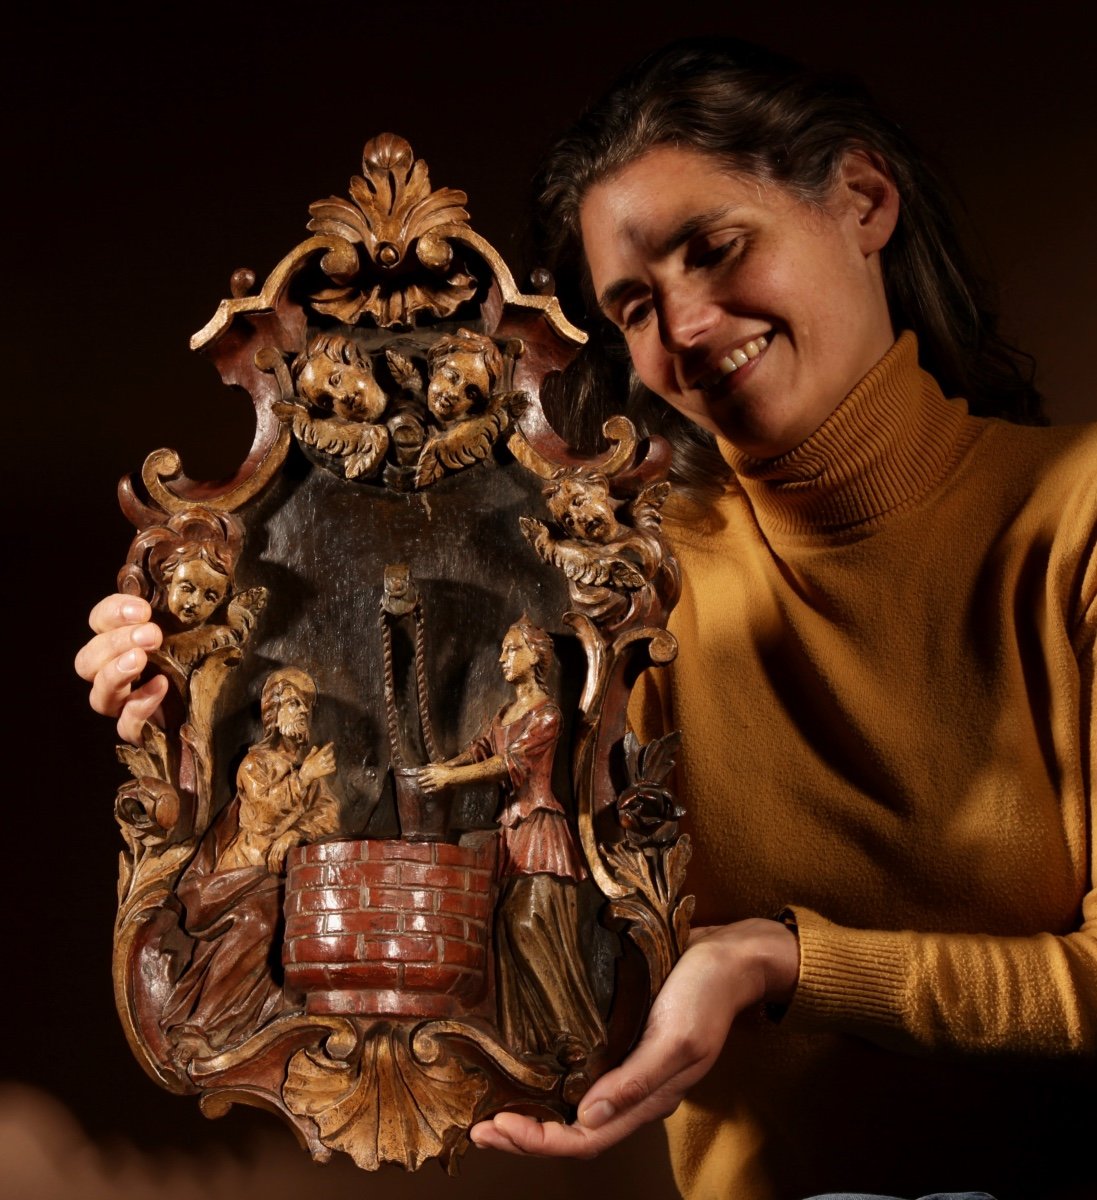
(516,657)
(748,310)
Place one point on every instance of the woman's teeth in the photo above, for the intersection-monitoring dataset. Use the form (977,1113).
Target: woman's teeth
(741,355)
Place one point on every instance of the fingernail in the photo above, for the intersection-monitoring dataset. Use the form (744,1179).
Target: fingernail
(597,1114)
(132,611)
(128,661)
(144,635)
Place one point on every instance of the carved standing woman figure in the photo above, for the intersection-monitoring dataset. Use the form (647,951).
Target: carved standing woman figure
(545,1001)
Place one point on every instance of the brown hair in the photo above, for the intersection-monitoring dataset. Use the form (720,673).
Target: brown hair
(539,643)
(195,533)
(776,120)
(274,688)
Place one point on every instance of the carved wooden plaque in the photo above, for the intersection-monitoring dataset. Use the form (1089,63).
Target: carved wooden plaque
(392,864)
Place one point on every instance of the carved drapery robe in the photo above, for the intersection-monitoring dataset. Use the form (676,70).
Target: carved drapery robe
(234,902)
(545,999)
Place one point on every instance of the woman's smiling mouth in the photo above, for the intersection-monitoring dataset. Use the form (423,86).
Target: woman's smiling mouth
(732,361)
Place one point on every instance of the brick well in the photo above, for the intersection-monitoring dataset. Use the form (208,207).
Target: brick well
(390,928)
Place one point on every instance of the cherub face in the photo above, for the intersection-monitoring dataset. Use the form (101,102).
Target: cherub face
(459,382)
(350,391)
(196,591)
(516,657)
(584,510)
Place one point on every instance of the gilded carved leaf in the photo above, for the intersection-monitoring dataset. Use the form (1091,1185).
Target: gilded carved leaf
(646,509)
(404,267)
(656,760)
(404,372)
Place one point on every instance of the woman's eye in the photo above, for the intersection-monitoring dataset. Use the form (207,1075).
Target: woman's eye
(711,256)
(634,316)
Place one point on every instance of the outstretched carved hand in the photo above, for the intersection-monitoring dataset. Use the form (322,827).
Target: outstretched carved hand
(115,657)
(725,970)
(434,778)
(318,763)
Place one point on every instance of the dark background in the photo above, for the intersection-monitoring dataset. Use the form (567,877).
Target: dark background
(151,153)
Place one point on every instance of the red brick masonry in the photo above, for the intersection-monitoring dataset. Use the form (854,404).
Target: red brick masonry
(393,928)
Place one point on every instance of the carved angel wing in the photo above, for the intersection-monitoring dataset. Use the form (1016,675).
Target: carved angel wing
(587,565)
(361,446)
(404,372)
(245,607)
(646,508)
(465,443)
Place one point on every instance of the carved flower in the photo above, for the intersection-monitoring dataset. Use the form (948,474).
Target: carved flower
(647,809)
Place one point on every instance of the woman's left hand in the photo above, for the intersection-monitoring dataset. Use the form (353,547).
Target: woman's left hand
(725,970)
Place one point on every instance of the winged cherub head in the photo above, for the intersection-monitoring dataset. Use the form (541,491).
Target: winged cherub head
(335,374)
(583,506)
(465,370)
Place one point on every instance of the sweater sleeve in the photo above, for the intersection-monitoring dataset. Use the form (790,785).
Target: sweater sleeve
(965,993)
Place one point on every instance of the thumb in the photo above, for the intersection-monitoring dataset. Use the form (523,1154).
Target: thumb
(648,1085)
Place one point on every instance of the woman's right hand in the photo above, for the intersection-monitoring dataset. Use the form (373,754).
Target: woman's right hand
(115,657)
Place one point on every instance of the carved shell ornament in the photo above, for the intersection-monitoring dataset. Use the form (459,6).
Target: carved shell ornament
(392,864)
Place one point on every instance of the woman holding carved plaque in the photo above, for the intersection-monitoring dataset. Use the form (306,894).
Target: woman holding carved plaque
(886,673)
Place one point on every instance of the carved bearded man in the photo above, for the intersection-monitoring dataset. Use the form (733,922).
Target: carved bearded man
(232,890)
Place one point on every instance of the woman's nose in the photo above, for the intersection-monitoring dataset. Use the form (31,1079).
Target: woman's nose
(685,315)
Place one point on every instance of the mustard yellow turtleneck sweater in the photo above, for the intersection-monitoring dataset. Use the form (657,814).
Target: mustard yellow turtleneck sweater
(886,689)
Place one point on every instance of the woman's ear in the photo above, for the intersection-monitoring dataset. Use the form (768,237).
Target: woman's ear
(866,185)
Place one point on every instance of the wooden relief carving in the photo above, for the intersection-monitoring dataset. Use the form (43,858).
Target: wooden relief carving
(393,863)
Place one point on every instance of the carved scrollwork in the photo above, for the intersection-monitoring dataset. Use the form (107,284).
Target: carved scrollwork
(651,861)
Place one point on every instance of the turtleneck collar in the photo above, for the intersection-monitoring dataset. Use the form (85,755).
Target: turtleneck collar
(892,440)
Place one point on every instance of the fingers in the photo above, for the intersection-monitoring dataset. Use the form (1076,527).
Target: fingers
(112,661)
(516,1134)
(647,1086)
(142,705)
(115,657)
(121,623)
(117,610)
(688,1024)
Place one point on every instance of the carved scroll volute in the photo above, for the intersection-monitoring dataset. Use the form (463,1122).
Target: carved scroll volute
(399,926)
